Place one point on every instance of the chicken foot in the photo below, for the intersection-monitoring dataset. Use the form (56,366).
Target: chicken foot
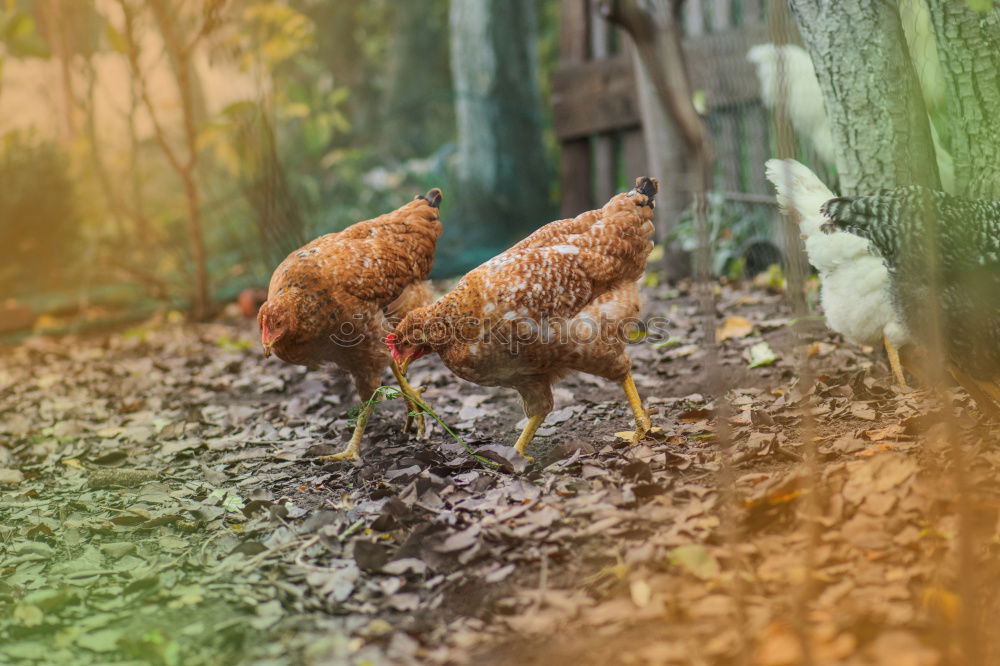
(642,423)
(353,449)
(413,401)
(528,434)
(897,368)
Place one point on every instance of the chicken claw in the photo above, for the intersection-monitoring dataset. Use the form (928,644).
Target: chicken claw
(642,423)
(353,449)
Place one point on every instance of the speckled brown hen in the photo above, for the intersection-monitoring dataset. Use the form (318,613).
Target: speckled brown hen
(335,299)
(559,301)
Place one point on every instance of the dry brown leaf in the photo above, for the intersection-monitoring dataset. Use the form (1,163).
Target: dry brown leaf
(778,646)
(733,327)
(892,431)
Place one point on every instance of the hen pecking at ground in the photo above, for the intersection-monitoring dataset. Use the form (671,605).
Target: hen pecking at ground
(558,301)
(335,299)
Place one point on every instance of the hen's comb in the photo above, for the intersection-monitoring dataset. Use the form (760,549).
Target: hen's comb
(433,197)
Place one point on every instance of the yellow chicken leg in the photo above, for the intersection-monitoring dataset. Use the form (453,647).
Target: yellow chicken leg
(642,423)
(353,449)
(528,434)
(894,363)
(413,400)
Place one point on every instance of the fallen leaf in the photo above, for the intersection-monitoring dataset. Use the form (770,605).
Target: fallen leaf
(696,560)
(760,355)
(733,327)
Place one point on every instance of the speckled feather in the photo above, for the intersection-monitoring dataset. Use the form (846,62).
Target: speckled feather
(343,286)
(495,327)
(939,249)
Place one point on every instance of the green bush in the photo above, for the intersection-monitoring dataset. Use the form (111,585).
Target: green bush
(39,222)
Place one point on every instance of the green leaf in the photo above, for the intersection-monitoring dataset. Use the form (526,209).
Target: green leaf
(696,560)
(761,354)
(100,641)
(115,38)
(980,5)
(699,102)
(28,615)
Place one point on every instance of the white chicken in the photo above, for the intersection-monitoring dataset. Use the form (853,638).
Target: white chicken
(787,77)
(854,284)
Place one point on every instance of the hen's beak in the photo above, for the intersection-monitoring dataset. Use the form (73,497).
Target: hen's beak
(267,349)
(404,365)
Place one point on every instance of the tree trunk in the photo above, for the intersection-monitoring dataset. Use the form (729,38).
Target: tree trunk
(185,166)
(503,171)
(182,66)
(969,47)
(677,141)
(876,113)
(419,109)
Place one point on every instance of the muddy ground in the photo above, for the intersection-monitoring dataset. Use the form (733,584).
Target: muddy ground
(161,503)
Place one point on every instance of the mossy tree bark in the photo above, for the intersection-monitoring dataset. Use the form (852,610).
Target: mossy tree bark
(871,93)
(969,47)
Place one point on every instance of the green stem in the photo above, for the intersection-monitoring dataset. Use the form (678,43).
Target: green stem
(391,393)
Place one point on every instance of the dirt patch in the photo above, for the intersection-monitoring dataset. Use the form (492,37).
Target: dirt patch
(162,503)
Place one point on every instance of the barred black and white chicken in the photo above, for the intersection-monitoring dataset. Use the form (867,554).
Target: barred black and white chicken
(943,257)
(854,282)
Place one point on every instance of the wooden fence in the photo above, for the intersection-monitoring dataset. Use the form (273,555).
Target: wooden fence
(596,107)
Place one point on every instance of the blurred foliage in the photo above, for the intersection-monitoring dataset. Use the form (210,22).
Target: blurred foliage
(350,113)
(19,36)
(739,233)
(39,215)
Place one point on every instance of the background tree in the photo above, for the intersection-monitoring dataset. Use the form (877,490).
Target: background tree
(184,159)
(872,95)
(503,174)
(419,109)
(969,47)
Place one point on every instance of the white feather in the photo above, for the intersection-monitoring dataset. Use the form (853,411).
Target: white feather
(854,284)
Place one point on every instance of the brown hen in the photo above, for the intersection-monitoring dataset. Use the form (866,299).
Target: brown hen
(334,299)
(561,300)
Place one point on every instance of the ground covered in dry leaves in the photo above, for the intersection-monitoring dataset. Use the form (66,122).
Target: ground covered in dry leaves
(160,503)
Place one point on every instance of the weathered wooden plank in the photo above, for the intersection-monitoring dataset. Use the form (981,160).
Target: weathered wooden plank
(753,11)
(574,177)
(595,97)
(573,30)
(756,139)
(604,172)
(722,18)
(600,96)
(727,149)
(694,18)
(634,149)
(600,35)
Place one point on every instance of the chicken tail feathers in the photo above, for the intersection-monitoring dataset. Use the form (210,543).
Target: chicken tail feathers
(800,193)
(433,197)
